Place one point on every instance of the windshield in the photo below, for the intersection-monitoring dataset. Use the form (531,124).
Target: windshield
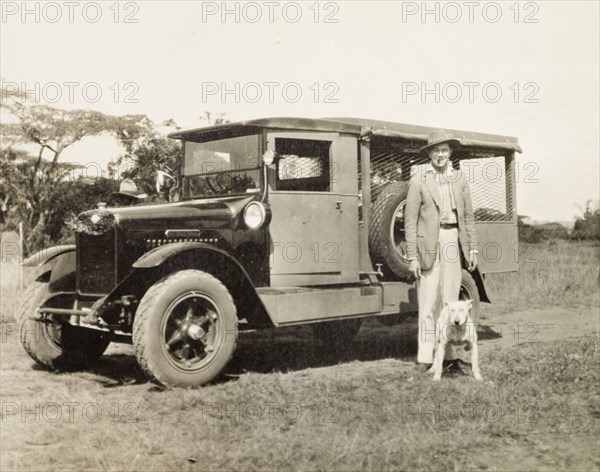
(223,167)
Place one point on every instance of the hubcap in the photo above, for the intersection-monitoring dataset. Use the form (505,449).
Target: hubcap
(190,331)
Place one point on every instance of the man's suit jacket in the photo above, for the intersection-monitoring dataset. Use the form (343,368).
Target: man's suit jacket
(422,215)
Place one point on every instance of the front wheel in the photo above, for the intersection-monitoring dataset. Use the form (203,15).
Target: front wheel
(185,329)
(55,344)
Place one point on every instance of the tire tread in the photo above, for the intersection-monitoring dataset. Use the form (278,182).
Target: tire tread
(142,318)
(378,229)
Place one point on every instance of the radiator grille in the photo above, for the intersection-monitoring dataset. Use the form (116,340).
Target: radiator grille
(96,262)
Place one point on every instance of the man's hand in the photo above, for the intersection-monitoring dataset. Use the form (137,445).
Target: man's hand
(472,261)
(415,268)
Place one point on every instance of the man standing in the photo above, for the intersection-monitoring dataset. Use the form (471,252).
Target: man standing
(440,233)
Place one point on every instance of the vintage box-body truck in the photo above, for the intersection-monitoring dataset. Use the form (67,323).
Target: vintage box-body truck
(271,222)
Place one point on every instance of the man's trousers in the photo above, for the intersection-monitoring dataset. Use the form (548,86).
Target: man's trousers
(436,286)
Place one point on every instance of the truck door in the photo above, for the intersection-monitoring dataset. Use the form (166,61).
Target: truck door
(309,213)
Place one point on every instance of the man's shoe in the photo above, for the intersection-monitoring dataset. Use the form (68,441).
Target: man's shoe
(423,367)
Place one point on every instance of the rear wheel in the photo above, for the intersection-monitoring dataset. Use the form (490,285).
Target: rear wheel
(52,343)
(469,291)
(336,332)
(185,329)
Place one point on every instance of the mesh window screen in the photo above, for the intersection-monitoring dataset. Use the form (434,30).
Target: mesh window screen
(389,164)
(486,172)
(296,167)
(488,184)
(304,165)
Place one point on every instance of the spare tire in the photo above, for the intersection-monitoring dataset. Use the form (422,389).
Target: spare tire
(387,244)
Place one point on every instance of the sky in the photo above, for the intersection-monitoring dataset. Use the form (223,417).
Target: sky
(524,69)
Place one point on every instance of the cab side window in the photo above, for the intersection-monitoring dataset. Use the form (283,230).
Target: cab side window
(304,165)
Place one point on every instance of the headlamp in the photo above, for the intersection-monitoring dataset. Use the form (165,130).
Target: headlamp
(256,215)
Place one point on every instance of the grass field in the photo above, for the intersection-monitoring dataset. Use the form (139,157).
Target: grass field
(288,403)
(555,273)
(537,410)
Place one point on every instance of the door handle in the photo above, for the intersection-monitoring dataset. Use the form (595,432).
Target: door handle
(338,205)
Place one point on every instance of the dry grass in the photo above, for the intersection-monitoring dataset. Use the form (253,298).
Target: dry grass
(10,289)
(538,410)
(555,273)
(362,409)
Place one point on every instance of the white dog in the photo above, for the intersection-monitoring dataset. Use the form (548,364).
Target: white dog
(455,326)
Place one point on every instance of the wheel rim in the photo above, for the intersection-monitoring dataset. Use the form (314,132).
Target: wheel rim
(190,332)
(397,234)
(53,332)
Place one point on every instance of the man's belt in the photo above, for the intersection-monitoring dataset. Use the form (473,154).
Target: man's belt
(448,225)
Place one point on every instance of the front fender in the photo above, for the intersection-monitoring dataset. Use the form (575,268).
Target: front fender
(159,255)
(46,255)
(191,255)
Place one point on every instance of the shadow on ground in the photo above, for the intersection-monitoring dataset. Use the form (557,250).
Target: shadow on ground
(285,350)
(295,348)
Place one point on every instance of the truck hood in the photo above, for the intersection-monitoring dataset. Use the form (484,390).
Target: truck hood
(213,213)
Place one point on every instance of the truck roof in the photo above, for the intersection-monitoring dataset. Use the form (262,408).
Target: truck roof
(357,126)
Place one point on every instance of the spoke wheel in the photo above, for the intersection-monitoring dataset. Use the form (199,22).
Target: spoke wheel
(185,329)
(189,331)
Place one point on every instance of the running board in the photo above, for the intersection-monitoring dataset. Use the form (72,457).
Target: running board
(295,305)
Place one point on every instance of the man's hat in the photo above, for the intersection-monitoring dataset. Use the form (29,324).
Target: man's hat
(129,189)
(438,137)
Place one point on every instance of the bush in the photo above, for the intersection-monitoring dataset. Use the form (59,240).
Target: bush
(588,227)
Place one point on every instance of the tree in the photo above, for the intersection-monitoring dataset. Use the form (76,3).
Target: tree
(154,154)
(158,153)
(30,150)
(214,119)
